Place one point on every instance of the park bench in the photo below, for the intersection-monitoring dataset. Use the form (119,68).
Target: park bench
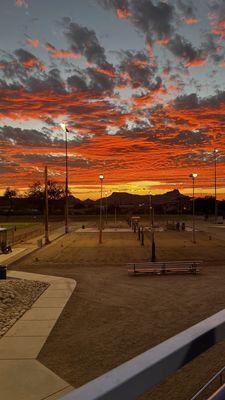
(164,267)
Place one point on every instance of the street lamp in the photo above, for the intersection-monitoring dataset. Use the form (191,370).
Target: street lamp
(101,177)
(151,211)
(215,152)
(106,207)
(151,227)
(193,176)
(65,129)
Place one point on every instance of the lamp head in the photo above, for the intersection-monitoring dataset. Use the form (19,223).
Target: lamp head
(193,175)
(216,150)
(101,177)
(64,127)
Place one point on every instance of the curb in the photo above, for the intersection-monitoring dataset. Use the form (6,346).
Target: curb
(21,344)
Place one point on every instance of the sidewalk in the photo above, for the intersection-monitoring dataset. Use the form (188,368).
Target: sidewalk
(22,377)
(22,249)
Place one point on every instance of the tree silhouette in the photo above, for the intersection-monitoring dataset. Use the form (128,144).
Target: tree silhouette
(10,194)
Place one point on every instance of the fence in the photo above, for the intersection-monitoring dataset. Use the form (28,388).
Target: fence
(30,234)
(218,375)
(133,378)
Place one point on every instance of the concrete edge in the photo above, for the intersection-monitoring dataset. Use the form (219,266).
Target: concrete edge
(52,280)
(14,263)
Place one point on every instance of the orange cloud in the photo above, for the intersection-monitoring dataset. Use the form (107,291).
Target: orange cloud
(196,63)
(219,29)
(61,53)
(122,13)
(142,153)
(33,63)
(33,42)
(162,41)
(190,20)
(106,71)
(21,3)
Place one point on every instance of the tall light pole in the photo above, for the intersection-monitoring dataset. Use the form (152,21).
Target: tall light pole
(101,177)
(47,241)
(215,153)
(193,176)
(65,129)
(151,211)
(151,223)
(106,207)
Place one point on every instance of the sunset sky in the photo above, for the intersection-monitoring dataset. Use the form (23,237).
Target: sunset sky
(140,84)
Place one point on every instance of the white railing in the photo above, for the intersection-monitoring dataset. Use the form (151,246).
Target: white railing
(135,377)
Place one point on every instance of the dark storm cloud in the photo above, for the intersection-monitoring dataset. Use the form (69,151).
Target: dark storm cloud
(154,19)
(218,7)
(77,82)
(11,69)
(195,157)
(187,101)
(26,137)
(135,69)
(214,50)
(98,79)
(84,41)
(54,160)
(183,49)
(32,137)
(192,101)
(50,82)
(24,56)
(100,82)
(192,138)
(121,4)
(20,65)
(186,7)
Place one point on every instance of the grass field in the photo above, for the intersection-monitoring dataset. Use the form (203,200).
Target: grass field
(18,225)
(112,317)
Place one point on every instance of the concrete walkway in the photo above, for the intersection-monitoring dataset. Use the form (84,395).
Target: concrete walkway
(22,377)
(22,249)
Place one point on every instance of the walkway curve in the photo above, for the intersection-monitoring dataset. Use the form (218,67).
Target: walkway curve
(22,376)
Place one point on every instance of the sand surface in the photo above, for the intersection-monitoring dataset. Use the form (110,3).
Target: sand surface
(112,317)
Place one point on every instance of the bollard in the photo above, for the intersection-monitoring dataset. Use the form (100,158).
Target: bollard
(142,236)
(139,233)
(153,247)
(3,272)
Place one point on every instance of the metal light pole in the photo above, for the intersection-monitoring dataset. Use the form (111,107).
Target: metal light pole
(47,241)
(65,129)
(101,177)
(106,208)
(193,176)
(151,222)
(215,152)
(151,212)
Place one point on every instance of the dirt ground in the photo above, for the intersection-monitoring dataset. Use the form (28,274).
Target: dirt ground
(112,317)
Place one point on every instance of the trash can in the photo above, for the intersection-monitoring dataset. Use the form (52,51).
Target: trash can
(3,271)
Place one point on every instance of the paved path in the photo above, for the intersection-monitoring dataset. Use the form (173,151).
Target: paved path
(22,249)
(22,377)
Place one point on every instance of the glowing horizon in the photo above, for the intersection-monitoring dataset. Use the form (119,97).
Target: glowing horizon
(140,86)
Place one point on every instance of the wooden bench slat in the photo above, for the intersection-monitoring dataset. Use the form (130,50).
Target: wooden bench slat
(169,261)
(164,267)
